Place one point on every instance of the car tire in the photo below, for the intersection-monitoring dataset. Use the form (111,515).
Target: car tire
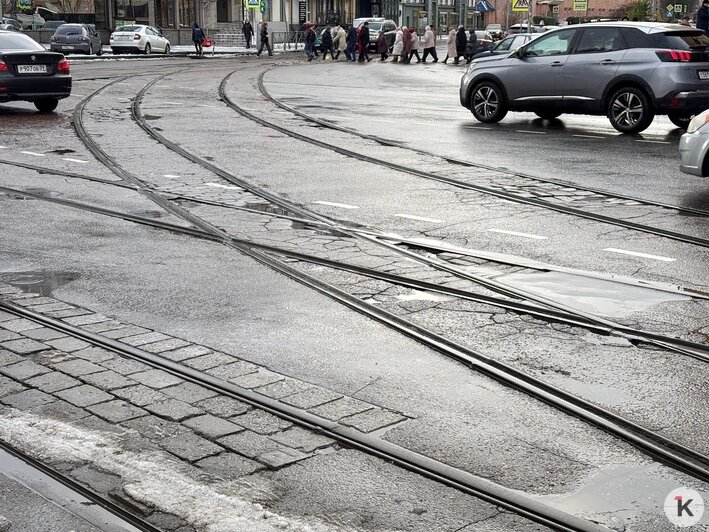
(148,49)
(46,105)
(681,120)
(629,110)
(547,115)
(487,102)
(167,49)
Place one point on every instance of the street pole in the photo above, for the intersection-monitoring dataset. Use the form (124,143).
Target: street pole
(529,17)
(429,10)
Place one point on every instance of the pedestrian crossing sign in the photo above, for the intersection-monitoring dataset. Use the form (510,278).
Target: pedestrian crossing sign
(520,5)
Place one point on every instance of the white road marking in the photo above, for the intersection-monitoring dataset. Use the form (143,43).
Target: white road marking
(637,254)
(532,132)
(589,136)
(341,205)
(3,147)
(653,141)
(419,218)
(219,185)
(75,160)
(478,127)
(170,175)
(172,103)
(515,233)
(33,153)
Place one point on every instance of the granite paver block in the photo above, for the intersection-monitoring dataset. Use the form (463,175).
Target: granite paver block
(37,301)
(261,422)
(140,395)
(249,443)
(259,378)
(27,399)
(284,388)
(183,353)
(6,335)
(281,457)
(124,366)
(145,338)
(128,330)
(78,367)
(173,409)
(189,392)
(98,481)
(224,406)
(68,313)
(156,378)
(24,346)
(50,307)
(116,411)
(108,380)
(235,369)
(191,447)
(8,386)
(84,395)
(5,316)
(94,354)
(164,345)
(7,358)
(60,410)
(229,466)
(165,521)
(312,397)
(23,370)
(211,360)
(346,406)
(43,333)
(304,440)
(20,325)
(102,326)
(68,344)
(212,427)
(86,319)
(155,428)
(372,419)
(53,382)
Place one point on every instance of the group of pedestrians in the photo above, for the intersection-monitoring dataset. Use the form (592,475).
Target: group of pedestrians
(336,40)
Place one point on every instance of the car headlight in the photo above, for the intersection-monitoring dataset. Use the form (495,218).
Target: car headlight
(698,121)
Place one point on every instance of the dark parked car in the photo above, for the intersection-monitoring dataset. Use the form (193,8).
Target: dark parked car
(507,45)
(376,26)
(76,38)
(52,24)
(628,71)
(29,73)
(495,30)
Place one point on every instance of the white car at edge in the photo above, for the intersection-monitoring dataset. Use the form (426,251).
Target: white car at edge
(138,39)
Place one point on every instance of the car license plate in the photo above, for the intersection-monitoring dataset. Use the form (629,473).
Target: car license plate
(703,74)
(124,37)
(67,47)
(31,69)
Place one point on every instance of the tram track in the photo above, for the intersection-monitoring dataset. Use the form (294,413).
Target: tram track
(654,444)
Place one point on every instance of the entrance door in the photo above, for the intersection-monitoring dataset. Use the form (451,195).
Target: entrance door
(223,10)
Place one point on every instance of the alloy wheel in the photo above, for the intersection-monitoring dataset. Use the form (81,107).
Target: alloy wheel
(486,101)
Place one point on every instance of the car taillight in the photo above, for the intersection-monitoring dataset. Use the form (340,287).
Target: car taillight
(136,37)
(63,66)
(3,67)
(674,56)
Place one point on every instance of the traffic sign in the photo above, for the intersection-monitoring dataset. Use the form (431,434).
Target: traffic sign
(670,7)
(678,8)
(253,3)
(520,5)
(555,9)
(580,5)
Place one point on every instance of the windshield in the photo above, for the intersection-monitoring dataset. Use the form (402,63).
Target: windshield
(375,26)
(493,27)
(14,41)
(130,28)
(684,40)
(69,30)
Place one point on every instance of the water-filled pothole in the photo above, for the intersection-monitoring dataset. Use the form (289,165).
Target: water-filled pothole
(40,282)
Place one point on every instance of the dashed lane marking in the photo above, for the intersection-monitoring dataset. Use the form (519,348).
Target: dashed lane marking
(638,254)
(171,175)
(515,233)
(219,185)
(3,147)
(419,218)
(653,141)
(341,205)
(478,127)
(75,160)
(531,132)
(34,154)
(589,136)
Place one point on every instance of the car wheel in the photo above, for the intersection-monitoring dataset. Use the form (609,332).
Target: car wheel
(680,119)
(629,110)
(147,49)
(46,105)
(487,103)
(167,49)
(547,115)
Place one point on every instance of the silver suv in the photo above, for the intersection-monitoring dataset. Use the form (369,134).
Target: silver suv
(629,71)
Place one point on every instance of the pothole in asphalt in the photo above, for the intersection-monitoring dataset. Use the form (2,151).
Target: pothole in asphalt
(151,117)
(40,282)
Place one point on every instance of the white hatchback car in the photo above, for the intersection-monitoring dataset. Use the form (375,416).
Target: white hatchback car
(138,39)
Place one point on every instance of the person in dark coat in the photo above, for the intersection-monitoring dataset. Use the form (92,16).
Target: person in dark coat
(461,40)
(326,44)
(382,46)
(248,31)
(309,41)
(703,17)
(351,43)
(471,47)
(198,38)
(264,40)
(364,43)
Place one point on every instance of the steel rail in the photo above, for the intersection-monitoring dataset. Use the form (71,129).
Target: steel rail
(74,486)
(479,487)
(656,445)
(470,164)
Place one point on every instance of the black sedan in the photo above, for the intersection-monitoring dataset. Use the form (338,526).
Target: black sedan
(29,73)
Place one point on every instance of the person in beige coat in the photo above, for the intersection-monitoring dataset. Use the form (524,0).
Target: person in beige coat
(429,45)
(339,40)
(452,51)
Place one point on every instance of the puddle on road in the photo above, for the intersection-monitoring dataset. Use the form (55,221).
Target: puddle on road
(41,282)
(63,151)
(597,296)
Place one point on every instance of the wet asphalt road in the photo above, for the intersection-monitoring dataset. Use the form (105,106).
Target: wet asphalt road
(218,297)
